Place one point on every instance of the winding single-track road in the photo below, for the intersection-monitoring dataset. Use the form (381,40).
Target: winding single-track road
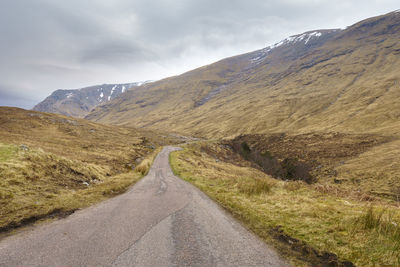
(161,221)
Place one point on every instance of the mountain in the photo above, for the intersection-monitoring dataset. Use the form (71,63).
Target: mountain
(79,102)
(323,80)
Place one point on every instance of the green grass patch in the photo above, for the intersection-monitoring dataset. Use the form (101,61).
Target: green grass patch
(7,152)
(382,222)
(251,186)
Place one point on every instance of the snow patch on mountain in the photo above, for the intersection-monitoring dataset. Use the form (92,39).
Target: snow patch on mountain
(113,89)
(311,35)
(306,37)
(302,39)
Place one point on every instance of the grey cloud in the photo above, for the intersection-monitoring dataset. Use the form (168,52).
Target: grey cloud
(109,52)
(51,44)
(11,97)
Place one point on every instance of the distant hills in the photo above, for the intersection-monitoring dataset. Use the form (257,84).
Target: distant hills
(345,80)
(79,102)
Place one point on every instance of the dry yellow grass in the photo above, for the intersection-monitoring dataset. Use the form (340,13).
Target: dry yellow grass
(341,225)
(35,184)
(376,170)
(53,165)
(144,166)
(116,147)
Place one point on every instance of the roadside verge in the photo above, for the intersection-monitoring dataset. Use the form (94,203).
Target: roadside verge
(305,224)
(51,202)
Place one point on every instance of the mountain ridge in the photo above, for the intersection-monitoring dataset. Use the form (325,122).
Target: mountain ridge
(342,82)
(79,102)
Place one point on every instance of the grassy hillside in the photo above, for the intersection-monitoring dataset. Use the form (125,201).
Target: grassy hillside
(348,81)
(52,165)
(360,165)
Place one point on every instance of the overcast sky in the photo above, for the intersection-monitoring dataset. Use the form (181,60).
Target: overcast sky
(52,44)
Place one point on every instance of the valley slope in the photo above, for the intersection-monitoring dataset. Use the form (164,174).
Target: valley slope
(326,80)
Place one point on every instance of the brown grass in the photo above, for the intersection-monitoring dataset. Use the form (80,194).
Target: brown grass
(64,164)
(36,184)
(143,167)
(118,148)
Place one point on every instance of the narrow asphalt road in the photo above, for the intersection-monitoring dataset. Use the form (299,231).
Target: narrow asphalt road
(161,221)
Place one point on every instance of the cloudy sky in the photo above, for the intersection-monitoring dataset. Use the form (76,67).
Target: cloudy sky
(51,44)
